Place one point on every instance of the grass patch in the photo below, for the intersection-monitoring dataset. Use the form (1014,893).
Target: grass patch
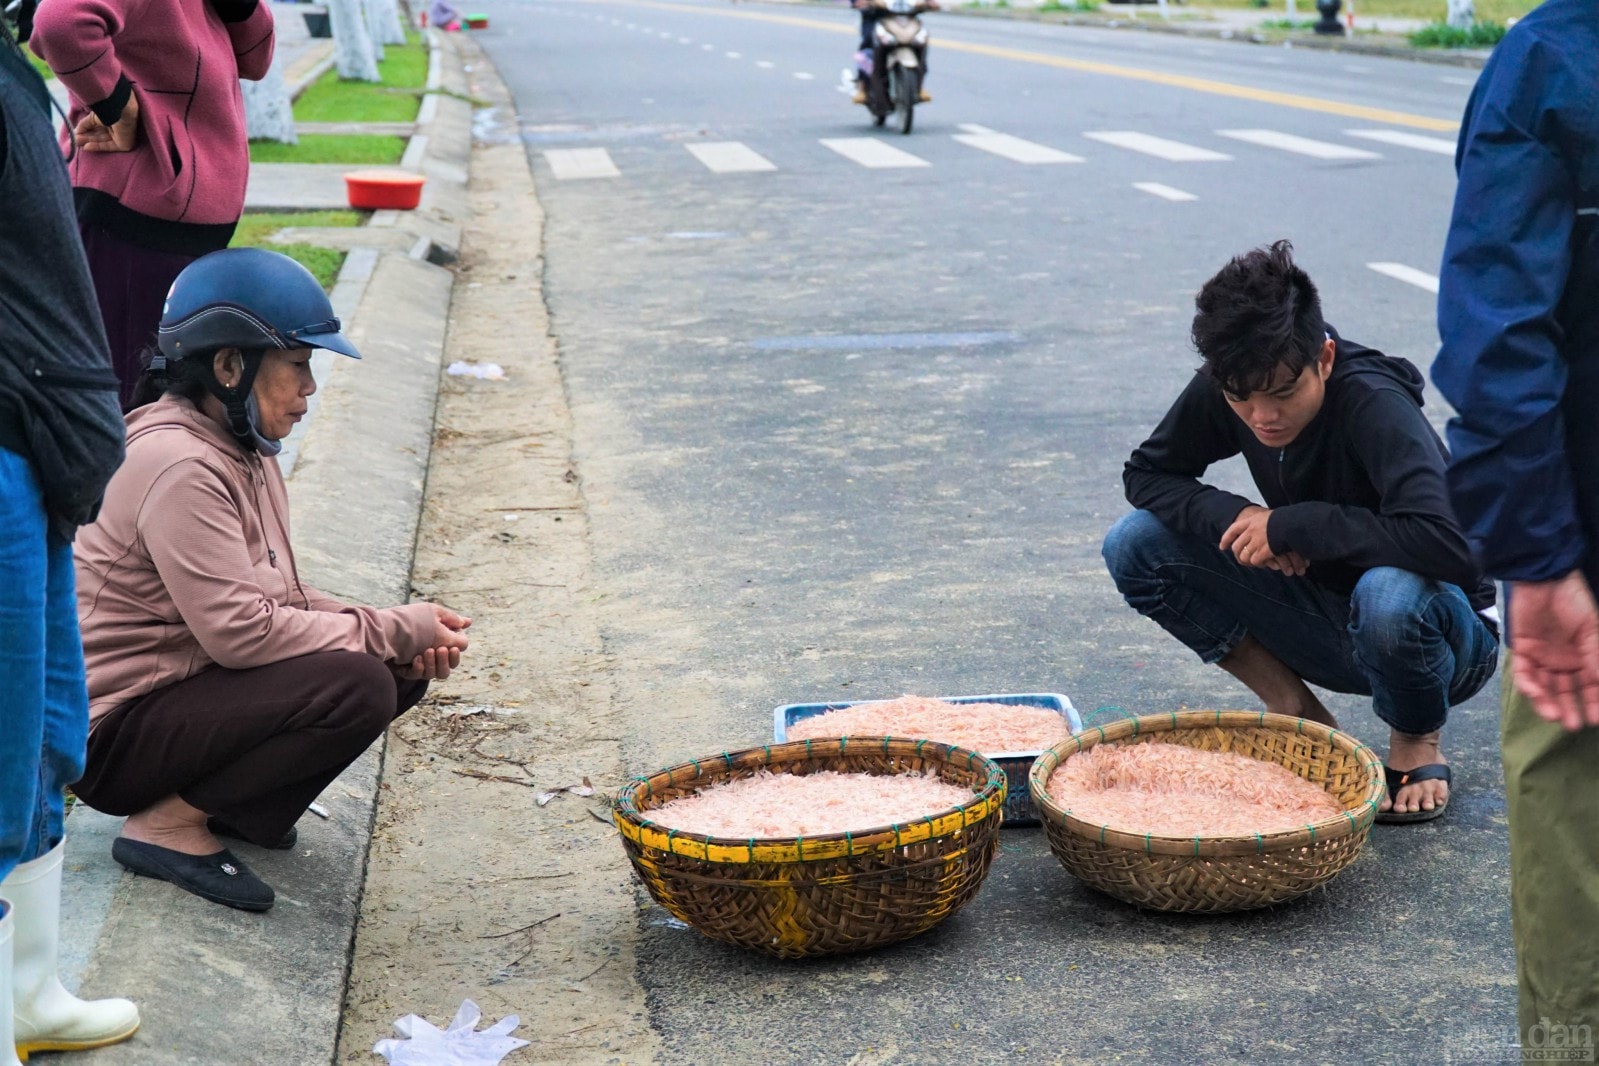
(1500,11)
(396,99)
(1075,5)
(1289,24)
(349,148)
(1440,35)
(41,66)
(256,229)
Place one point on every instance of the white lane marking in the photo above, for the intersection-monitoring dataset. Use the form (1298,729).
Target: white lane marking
(1410,275)
(1159,147)
(734,55)
(685,40)
(730,157)
(571,163)
(1407,140)
(1165,192)
(765,64)
(870,152)
(1288,142)
(1014,148)
(972,127)
(802,76)
(707,48)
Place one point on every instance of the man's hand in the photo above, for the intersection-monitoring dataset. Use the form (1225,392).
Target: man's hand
(1246,537)
(1554,643)
(93,135)
(1291,563)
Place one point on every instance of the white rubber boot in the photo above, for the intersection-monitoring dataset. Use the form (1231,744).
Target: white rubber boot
(45,1015)
(8,1048)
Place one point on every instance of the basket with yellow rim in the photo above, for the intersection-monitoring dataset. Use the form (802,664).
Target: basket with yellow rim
(1219,873)
(825,894)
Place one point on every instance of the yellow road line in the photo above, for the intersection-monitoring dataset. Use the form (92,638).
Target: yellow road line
(1113,70)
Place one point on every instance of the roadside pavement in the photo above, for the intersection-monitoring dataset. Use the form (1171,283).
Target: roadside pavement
(1258,26)
(220,987)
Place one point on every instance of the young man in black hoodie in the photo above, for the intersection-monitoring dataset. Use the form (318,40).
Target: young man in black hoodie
(1353,575)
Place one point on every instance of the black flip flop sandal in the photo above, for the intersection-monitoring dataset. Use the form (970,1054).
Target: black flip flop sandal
(1397,779)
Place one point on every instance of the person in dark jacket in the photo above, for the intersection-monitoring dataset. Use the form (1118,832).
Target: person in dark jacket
(1352,574)
(61,438)
(1520,363)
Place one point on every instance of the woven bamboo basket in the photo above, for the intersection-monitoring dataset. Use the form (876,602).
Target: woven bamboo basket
(1216,874)
(819,895)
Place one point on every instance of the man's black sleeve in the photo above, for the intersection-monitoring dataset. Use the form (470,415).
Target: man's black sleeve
(1413,528)
(1162,476)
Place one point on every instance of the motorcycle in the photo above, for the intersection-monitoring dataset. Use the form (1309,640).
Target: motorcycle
(898,60)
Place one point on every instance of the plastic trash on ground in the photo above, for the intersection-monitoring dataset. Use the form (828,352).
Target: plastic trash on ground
(421,1043)
(486,371)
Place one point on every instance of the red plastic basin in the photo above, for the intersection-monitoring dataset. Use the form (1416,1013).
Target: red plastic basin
(377,190)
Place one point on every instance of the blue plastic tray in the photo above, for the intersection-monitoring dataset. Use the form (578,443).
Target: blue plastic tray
(1019,808)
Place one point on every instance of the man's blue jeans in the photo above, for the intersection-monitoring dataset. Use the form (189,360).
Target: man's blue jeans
(44,706)
(1414,645)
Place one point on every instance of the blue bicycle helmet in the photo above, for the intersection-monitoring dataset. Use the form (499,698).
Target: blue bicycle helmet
(253,300)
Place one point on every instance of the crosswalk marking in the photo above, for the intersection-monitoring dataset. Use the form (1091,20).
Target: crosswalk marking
(802,76)
(1014,148)
(730,157)
(1288,142)
(870,152)
(1407,140)
(1165,192)
(570,163)
(1410,275)
(764,64)
(733,55)
(1159,147)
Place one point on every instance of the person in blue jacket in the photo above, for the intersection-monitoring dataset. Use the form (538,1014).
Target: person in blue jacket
(1351,574)
(61,438)
(1518,312)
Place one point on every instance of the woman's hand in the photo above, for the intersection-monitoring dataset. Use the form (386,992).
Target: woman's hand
(92,135)
(449,628)
(434,664)
(449,641)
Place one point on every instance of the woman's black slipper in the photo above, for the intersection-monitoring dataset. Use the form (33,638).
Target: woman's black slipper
(222,829)
(1398,779)
(219,877)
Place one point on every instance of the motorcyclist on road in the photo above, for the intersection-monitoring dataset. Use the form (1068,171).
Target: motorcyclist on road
(871,11)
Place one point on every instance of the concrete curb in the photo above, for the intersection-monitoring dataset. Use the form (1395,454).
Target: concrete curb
(219,986)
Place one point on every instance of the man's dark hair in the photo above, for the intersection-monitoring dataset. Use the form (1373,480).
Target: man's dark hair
(1260,310)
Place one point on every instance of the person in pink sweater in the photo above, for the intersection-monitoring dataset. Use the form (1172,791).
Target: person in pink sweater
(161,160)
(224,692)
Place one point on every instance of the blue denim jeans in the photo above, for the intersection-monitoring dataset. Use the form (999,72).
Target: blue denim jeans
(1414,645)
(44,706)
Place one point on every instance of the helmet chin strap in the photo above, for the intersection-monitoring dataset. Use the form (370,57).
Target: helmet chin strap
(244,414)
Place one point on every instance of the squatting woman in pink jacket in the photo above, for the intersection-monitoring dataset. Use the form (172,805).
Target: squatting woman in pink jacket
(224,692)
(161,156)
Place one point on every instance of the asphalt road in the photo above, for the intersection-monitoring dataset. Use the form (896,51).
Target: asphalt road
(848,432)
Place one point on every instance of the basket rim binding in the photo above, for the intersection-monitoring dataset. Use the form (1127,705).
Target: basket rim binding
(1352,821)
(988,802)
